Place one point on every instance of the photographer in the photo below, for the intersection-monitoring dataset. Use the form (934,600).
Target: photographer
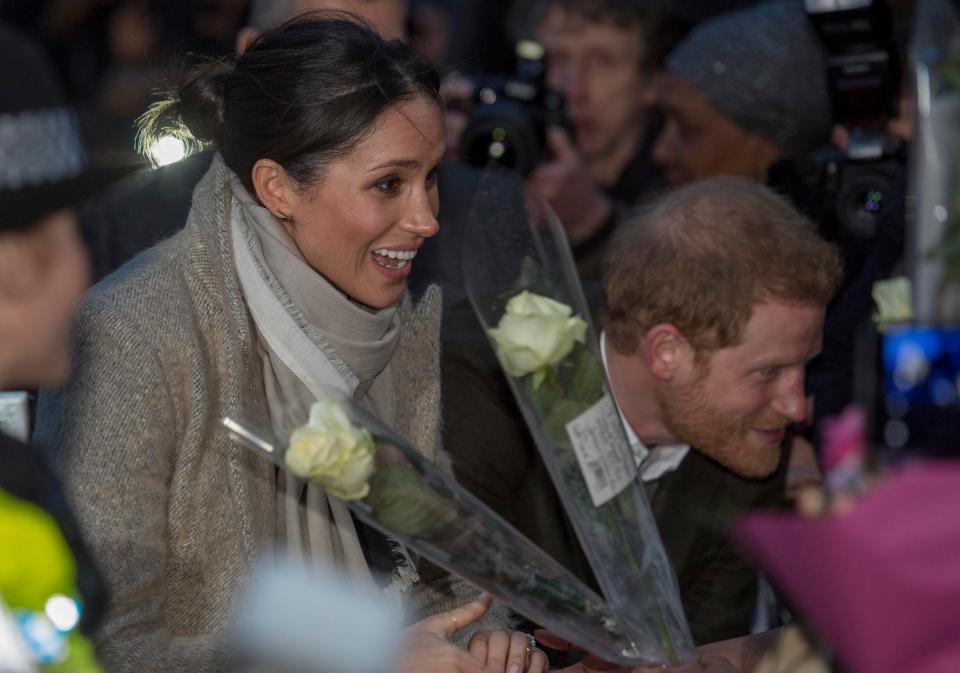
(741,92)
(750,94)
(601,55)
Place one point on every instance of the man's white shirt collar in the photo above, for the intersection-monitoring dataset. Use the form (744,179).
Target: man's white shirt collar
(652,463)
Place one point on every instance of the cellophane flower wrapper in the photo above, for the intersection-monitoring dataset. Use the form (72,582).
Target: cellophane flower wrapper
(933,254)
(415,502)
(518,267)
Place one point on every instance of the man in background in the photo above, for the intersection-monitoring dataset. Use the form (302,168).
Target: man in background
(741,92)
(602,56)
(44,271)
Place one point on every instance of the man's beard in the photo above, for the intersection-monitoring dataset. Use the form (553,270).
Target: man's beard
(693,419)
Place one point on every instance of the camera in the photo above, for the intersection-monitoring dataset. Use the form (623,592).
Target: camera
(848,191)
(511,115)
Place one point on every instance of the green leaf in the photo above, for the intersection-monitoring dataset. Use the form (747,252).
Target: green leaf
(403,503)
(586,380)
(561,412)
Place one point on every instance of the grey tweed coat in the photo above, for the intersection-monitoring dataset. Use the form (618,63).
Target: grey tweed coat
(174,511)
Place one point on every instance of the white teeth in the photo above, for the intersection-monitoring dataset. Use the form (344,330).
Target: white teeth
(396,254)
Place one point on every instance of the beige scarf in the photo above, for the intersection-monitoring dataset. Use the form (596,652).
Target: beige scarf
(312,336)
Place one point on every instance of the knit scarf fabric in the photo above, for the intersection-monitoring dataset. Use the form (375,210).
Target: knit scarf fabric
(312,336)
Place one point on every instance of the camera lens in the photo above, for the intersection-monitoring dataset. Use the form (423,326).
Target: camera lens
(502,133)
(861,204)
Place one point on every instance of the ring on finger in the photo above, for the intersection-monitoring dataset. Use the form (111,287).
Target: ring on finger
(532,652)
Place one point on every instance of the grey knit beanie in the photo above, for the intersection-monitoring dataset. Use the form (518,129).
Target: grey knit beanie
(764,68)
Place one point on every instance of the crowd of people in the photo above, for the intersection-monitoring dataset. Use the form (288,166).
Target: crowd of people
(315,235)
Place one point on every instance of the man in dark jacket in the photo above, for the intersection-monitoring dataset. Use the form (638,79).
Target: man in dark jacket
(714,305)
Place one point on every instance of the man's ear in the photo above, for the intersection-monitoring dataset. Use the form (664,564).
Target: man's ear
(275,189)
(665,350)
(245,38)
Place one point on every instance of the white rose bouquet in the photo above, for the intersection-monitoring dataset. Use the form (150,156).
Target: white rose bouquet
(534,334)
(332,452)
(392,487)
(524,288)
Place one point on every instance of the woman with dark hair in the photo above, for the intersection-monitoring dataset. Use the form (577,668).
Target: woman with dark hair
(289,275)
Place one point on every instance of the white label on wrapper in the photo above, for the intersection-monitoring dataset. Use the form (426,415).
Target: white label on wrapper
(605,459)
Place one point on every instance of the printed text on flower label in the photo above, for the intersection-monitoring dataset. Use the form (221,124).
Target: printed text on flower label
(605,459)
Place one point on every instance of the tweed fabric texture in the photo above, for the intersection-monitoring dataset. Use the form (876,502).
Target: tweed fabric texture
(764,68)
(176,513)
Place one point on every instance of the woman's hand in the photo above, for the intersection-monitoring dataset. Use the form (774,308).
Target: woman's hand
(508,652)
(429,650)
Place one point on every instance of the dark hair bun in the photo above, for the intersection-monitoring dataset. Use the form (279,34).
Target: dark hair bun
(201,99)
(192,112)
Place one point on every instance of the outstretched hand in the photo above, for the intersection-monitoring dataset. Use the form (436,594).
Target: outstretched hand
(429,650)
(567,185)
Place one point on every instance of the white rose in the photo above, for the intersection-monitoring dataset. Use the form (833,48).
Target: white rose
(894,301)
(534,333)
(332,452)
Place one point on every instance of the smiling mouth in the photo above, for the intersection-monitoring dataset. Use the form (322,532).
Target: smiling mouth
(393,259)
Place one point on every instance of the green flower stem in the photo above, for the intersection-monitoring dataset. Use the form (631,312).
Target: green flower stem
(628,512)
